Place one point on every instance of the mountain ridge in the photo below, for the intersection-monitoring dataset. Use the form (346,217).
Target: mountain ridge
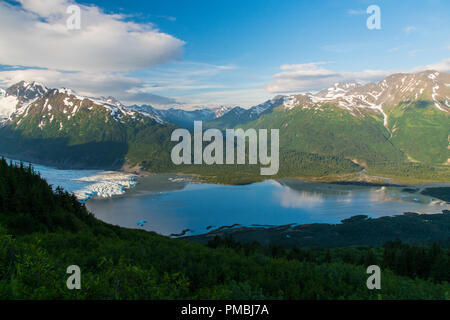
(401,120)
(16,99)
(407,112)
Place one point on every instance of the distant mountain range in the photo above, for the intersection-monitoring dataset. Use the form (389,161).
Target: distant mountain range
(180,117)
(15,100)
(401,119)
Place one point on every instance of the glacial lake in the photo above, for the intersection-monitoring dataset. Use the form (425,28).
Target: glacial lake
(170,204)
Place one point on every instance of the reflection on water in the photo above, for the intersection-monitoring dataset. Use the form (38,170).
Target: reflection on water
(172,204)
(290,198)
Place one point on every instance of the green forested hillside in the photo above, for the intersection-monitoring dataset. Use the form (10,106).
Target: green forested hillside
(43,232)
(92,137)
(331,131)
(413,148)
(421,131)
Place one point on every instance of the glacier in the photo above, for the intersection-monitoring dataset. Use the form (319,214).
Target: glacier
(86,184)
(105,184)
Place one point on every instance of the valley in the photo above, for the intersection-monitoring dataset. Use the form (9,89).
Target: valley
(221,156)
(397,128)
(179,205)
(38,224)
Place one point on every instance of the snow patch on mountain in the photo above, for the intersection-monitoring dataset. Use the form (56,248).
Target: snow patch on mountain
(290,102)
(256,111)
(7,106)
(353,97)
(67,102)
(222,110)
(179,116)
(17,98)
(435,93)
(395,89)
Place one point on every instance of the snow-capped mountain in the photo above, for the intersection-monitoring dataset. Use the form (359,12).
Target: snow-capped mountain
(63,129)
(15,101)
(112,101)
(358,98)
(265,107)
(395,89)
(180,117)
(404,116)
(59,105)
(354,97)
(220,111)
(19,96)
(238,115)
(27,91)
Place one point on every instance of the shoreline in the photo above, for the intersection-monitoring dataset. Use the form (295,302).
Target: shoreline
(111,184)
(360,178)
(376,231)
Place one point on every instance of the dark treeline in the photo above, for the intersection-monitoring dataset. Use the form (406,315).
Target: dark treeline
(427,262)
(29,204)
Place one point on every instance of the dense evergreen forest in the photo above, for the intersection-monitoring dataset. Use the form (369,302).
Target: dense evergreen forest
(43,231)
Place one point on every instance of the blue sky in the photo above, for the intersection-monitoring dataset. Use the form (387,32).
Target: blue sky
(243,52)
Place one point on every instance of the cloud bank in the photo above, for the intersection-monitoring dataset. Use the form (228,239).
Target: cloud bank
(315,76)
(35,34)
(37,45)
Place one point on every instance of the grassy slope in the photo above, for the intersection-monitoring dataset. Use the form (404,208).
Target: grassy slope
(419,132)
(422,131)
(331,131)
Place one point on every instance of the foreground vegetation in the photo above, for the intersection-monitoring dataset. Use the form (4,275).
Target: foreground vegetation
(43,232)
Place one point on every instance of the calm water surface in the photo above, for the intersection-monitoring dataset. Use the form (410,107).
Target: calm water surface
(171,204)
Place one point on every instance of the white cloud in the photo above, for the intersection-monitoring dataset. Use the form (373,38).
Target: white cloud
(181,83)
(414,52)
(88,84)
(243,97)
(314,76)
(354,12)
(95,60)
(395,49)
(203,84)
(409,29)
(35,34)
(442,66)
